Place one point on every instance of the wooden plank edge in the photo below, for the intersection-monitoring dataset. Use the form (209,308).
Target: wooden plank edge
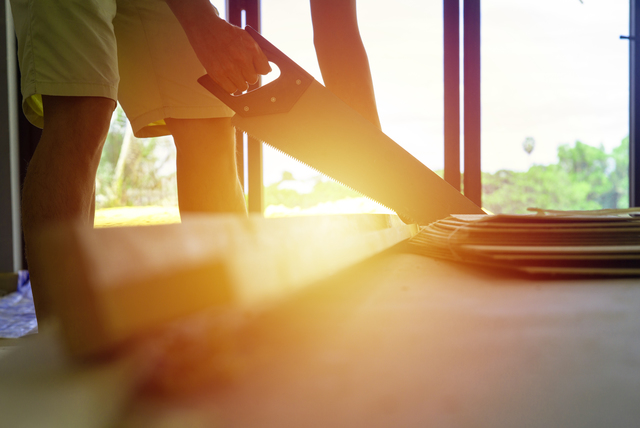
(108,286)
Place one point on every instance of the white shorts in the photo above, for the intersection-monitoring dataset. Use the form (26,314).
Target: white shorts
(132,51)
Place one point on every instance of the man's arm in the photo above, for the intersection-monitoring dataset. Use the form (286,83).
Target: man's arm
(341,55)
(228,53)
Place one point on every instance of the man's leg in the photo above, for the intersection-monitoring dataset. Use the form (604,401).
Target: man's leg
(206,166)
(60,180)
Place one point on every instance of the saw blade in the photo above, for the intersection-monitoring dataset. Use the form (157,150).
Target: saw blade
(323,132)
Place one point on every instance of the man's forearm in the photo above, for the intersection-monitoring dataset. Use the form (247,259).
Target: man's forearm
(341,55)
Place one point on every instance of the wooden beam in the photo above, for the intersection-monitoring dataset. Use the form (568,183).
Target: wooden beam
(108,286)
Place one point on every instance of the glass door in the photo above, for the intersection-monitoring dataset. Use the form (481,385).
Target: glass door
(555,104)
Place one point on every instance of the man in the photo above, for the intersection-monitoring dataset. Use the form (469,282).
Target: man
(77,58)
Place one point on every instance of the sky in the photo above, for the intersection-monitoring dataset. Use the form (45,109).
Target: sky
(552,70)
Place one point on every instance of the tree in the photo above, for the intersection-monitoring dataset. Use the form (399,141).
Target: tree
(584,178)
(135,171)
(541,186)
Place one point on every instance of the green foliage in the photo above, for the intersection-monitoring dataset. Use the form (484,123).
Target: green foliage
(584,178)
(541,186)
(131,170)
(115,137)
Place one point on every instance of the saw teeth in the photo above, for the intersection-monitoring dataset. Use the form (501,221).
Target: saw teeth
(405,216)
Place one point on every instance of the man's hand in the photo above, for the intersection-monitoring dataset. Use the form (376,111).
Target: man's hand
(231,57)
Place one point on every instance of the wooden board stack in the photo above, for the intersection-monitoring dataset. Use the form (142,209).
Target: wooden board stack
(605,242)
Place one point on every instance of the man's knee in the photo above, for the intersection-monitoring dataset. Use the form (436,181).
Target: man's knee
(204,135)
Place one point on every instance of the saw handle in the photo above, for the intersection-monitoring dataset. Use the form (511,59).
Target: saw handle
(278,96)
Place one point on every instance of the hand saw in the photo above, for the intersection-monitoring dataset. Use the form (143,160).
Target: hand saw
(300,117)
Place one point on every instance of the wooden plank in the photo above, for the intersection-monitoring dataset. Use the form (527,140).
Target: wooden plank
(42,387)
(398,341)
(109,285)
(408,341)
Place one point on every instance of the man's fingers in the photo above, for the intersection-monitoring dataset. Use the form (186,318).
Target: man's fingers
(226,84)
(239,81)
(250,75)
(236,64)
(261,63)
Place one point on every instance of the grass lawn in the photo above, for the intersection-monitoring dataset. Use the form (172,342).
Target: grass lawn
(151,215)
(136,216)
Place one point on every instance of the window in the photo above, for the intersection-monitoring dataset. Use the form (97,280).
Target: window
(555,100)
